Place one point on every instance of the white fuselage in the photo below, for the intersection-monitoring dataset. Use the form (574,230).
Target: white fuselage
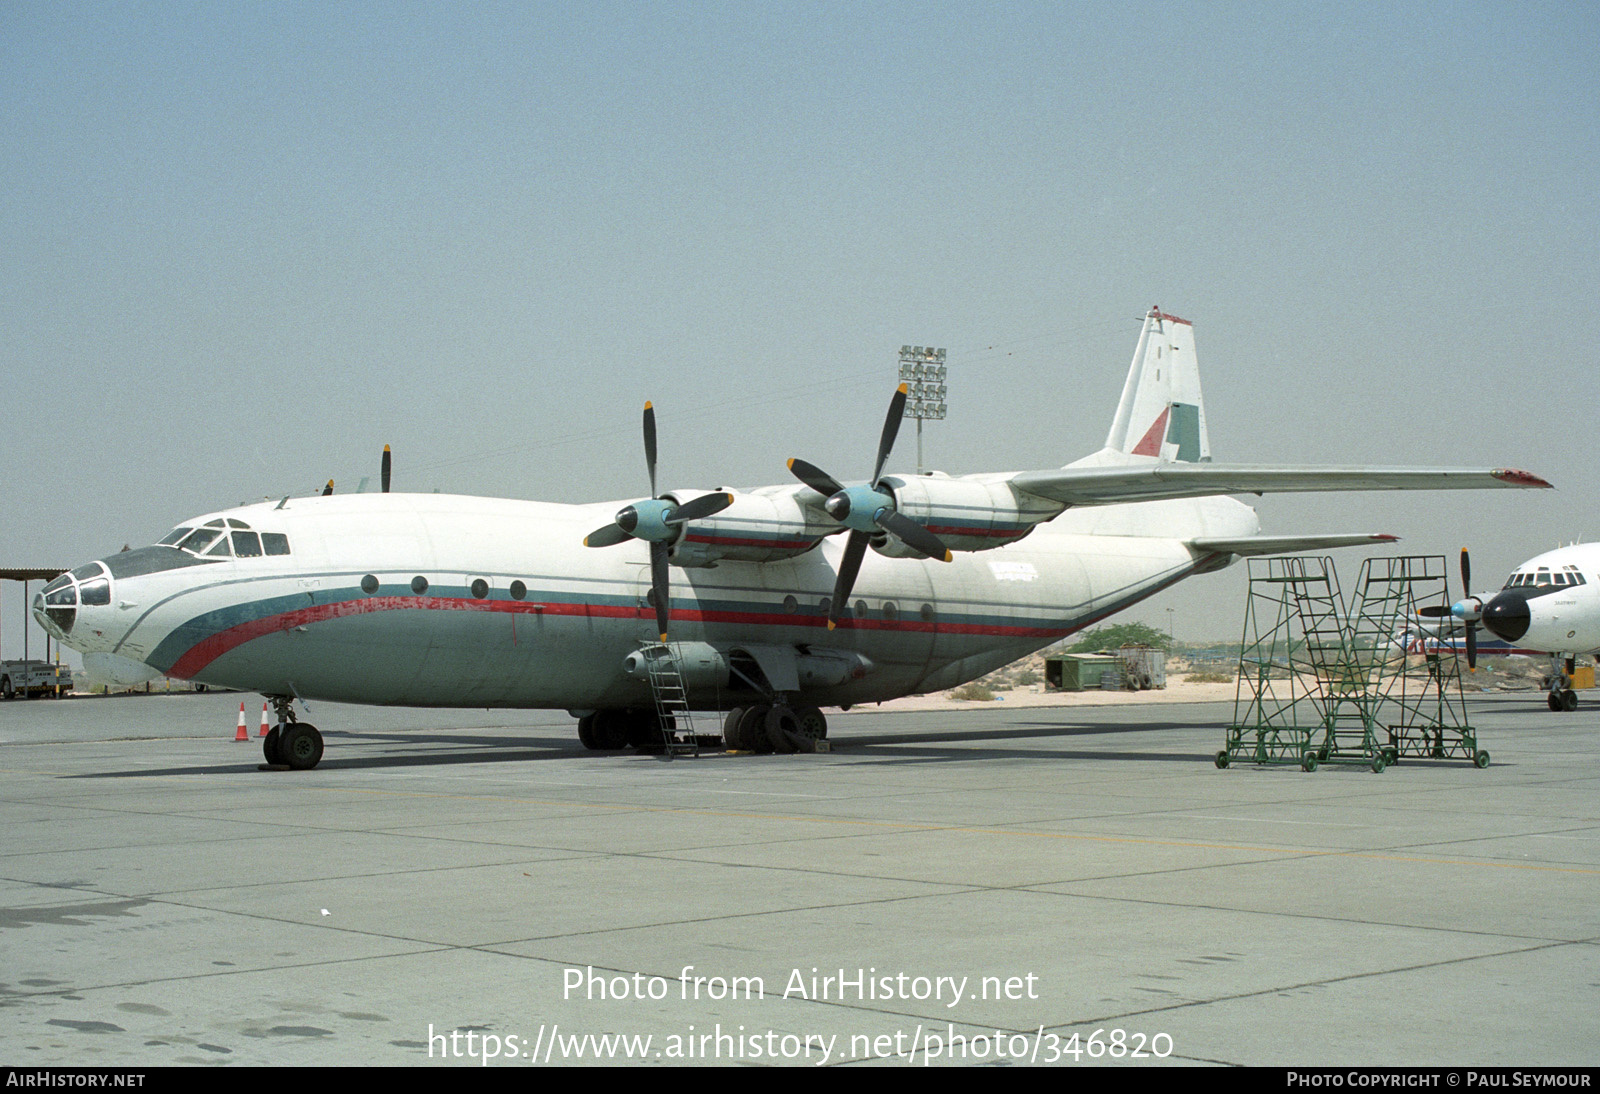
(1550,602)
(441,600)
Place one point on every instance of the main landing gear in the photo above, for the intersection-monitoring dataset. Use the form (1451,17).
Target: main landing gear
(290,743)
(774,727)
(763,727)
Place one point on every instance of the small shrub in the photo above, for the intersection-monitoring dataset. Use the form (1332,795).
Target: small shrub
(973,693)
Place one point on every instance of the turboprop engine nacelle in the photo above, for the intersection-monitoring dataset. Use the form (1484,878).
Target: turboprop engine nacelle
(966,514)
(760,667)
(762,526)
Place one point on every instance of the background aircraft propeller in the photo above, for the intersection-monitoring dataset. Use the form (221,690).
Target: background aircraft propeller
(656,520)
(1469,609)
(383,474)
(865,509)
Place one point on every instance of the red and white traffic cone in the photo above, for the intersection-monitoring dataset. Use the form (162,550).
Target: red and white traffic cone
(263,719)
(243,734)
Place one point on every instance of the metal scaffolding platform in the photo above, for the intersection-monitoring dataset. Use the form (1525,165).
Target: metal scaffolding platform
(1323,680)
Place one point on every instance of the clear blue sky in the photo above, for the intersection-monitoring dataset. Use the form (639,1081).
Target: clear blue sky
(246,245)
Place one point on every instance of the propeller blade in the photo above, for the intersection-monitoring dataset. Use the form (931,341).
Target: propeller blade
(326,490)
(609,536)
(650,444)
(1466,574)
(815,477)
(658,585)
(1434,611)
(891,427)
(849,567)
(383,474)
(1472,647)
(700,508)
(914,535)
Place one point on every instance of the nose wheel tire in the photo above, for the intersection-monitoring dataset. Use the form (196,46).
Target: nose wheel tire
(300,746)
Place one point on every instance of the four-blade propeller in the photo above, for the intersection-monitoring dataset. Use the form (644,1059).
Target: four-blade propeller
(866,510)
(1469,609)
(656,520)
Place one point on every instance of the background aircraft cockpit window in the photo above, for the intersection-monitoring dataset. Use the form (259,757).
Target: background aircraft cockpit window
(84,573)
(171,538)
(198,540)
(97,591)
(59,582)
(276,543)
(215,523)
(232,523)
(246,544)
(67,594)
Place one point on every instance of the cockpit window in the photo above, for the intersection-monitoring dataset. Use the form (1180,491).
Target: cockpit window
(219,549)
(97,591)
(171,538)
(215,523)
(198,540)
(84,573)
(275,543)
(246,544)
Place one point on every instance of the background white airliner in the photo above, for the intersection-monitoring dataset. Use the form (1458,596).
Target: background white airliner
(438,600)
(1549,604)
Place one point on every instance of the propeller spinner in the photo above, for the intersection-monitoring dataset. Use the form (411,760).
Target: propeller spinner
(656,520)
(865,510)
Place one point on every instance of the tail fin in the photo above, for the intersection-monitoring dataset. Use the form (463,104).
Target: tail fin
(1162,413)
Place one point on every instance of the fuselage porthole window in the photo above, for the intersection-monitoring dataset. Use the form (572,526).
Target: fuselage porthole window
(369,584)
(419,584)
(480,589)
(518,590)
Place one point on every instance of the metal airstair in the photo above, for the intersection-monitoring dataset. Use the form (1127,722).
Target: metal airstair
(673,716)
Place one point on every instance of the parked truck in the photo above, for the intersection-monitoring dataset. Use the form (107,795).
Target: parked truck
(30,678)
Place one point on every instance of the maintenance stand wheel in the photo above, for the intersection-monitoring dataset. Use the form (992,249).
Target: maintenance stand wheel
(1481,759)
(1378,764)
(1308,760)
(1222,759)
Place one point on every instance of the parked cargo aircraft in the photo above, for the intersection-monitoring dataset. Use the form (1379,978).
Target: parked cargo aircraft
(433,600)
(1549,604)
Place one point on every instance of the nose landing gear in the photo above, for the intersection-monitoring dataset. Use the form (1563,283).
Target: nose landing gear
(293,744)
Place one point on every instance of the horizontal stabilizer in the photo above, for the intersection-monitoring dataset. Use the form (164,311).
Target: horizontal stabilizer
(1245,546)
(1159,481)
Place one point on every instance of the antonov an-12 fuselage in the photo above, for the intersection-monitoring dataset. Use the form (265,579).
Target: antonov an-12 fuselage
(441,600)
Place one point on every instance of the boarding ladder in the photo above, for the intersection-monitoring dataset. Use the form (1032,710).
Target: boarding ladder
(673,715)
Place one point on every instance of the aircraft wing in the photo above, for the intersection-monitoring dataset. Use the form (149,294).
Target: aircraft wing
(1102,485)
(1282,545)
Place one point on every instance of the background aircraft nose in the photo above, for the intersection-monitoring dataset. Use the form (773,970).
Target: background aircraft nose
(1507,616)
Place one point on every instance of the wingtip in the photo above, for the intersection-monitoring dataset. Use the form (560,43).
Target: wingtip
(1513,477)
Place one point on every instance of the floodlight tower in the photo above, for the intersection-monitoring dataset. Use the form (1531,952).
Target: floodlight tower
(922,371)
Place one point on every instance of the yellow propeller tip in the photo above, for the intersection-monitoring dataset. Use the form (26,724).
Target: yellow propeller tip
(663,639)
(647,404)
(831,624)
(903,389)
